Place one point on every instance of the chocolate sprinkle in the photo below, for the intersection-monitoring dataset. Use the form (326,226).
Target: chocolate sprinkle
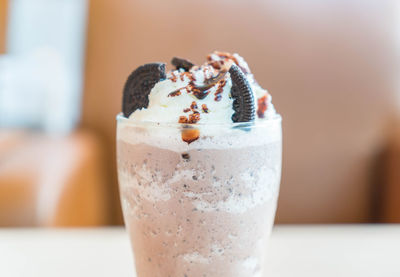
(186,156)
(182,63)
(243,103)
(173,77)
(204,108)
(183,119)
(194,105)
(262,106)
(138,86)
(220,88)
(194,117)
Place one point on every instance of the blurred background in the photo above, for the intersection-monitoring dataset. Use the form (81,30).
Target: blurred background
(331,67)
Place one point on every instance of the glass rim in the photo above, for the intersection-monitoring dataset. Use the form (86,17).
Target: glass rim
(120,118)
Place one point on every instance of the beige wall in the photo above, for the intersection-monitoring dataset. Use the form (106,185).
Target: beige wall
(326,63)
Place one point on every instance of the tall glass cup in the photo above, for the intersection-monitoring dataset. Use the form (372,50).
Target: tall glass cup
(199,209)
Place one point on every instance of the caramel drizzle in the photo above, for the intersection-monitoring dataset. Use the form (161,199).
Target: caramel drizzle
(189,135)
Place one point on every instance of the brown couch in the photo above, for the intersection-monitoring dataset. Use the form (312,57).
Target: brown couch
(3,21)
(52,181)
(388,181)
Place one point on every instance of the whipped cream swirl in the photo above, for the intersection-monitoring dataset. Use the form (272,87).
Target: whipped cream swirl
(202,95)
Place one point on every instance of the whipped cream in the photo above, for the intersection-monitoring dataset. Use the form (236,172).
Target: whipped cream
(178,99)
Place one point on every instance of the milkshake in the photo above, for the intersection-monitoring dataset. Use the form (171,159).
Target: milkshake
(199,160)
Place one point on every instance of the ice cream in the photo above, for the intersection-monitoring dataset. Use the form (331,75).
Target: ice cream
(199,160)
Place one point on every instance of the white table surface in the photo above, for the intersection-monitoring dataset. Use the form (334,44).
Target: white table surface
(323,251)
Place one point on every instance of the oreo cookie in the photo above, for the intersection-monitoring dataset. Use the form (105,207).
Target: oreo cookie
(243,97)
(138,86)
(182,63)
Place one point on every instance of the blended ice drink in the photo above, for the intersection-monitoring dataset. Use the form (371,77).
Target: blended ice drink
(199,161)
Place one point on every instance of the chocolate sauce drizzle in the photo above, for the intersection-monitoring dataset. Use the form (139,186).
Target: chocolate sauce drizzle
(201,92)
(175,93)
